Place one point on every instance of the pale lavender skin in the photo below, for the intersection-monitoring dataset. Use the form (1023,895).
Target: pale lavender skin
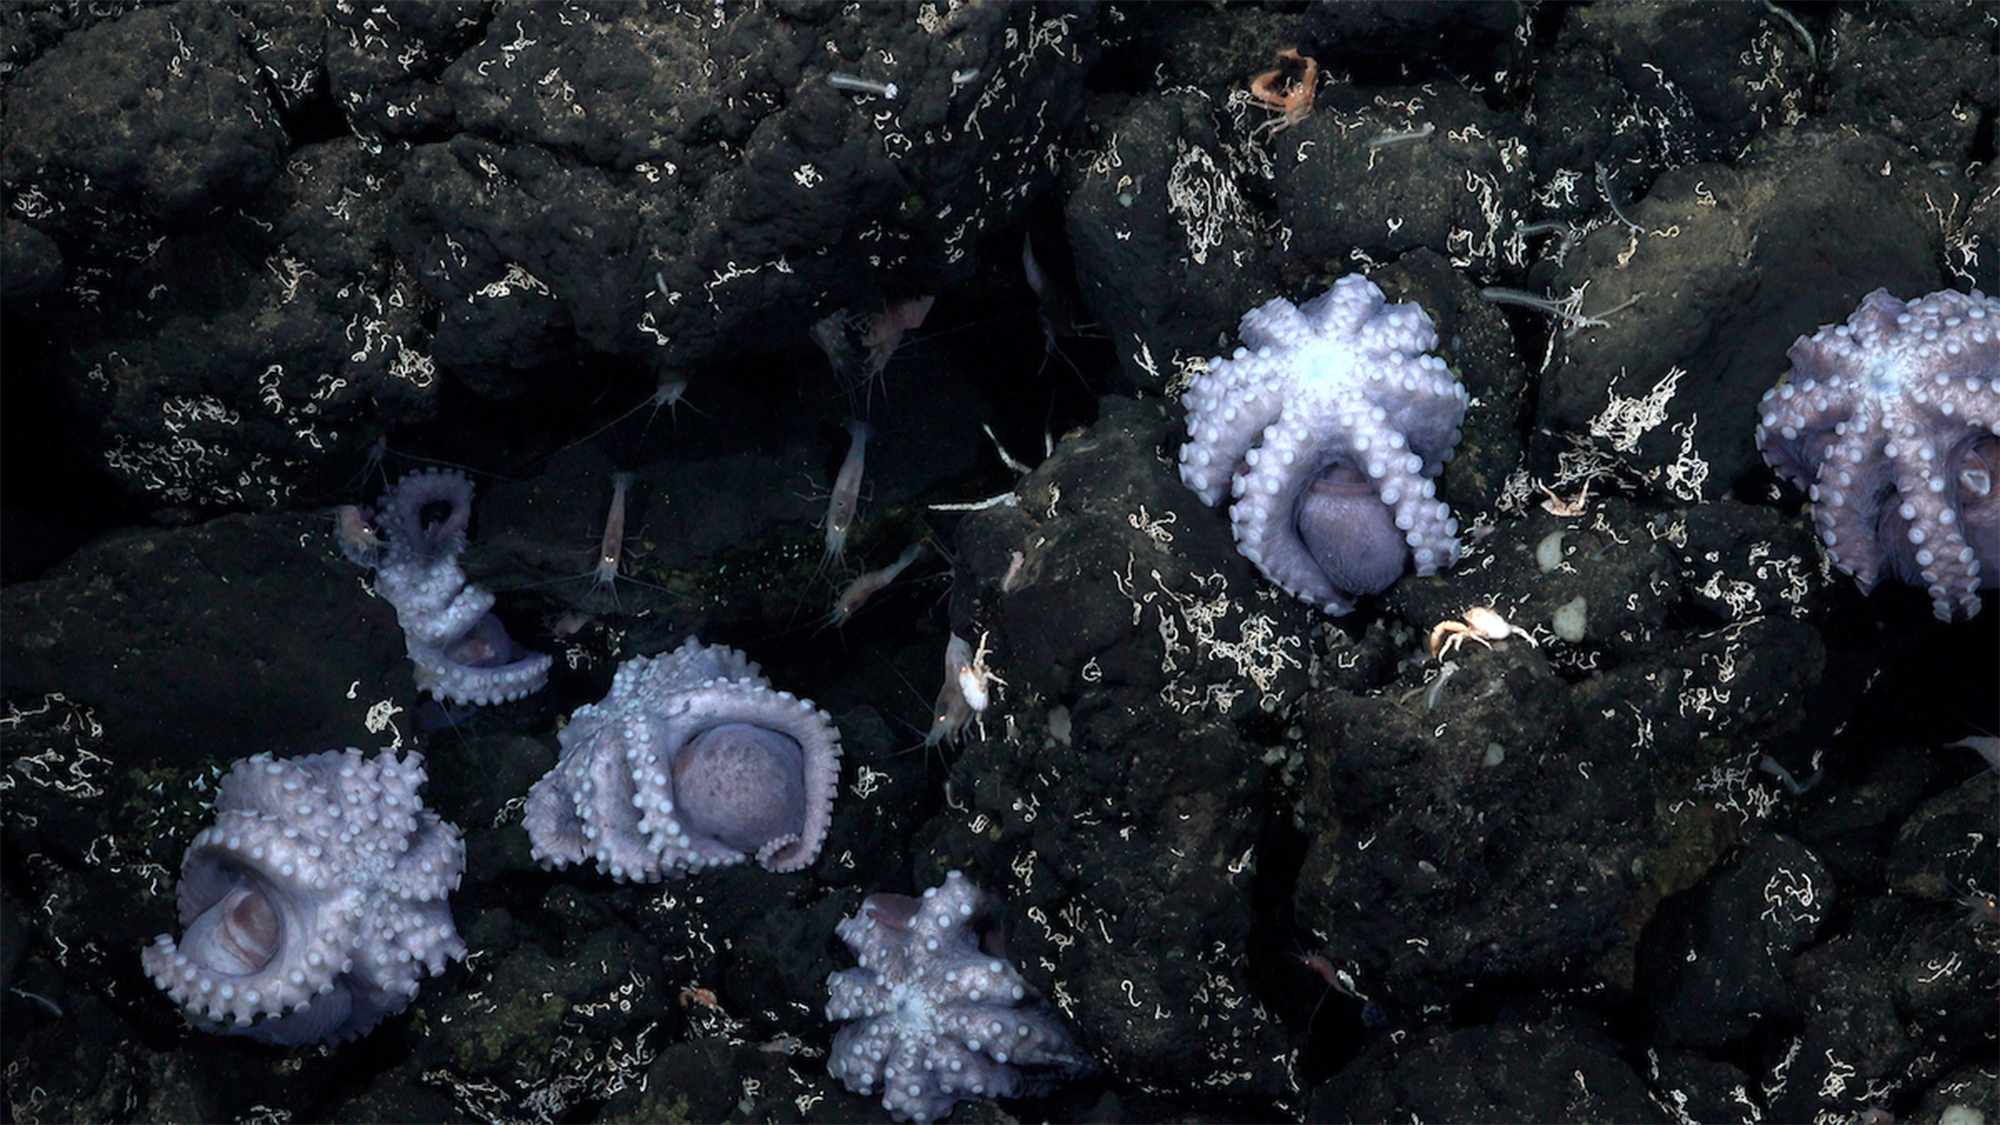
(1340,388)
(316,903)
(936,1019)
(692,761)
(461,651)
(1889,423)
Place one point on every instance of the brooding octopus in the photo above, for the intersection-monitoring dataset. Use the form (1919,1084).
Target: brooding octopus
(1328,428)
(1891,423)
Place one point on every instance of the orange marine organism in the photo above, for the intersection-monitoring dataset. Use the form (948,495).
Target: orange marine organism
(1292,99)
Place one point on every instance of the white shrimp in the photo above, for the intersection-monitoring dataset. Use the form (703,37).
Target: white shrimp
(670,395)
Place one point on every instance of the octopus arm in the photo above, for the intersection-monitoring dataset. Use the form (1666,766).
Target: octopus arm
(1228,413)
(1267,495)
(1425,404)
(1849,513)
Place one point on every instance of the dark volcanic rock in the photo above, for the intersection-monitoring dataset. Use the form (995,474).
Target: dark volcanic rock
(1712,964)
(261,259)
(1484,1074)
(149,122)
(1727,267)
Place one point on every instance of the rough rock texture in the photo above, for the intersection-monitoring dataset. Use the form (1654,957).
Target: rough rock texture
(1238,841)
(1918,69)
(1112,771)
(1818,205)
(1444,1075)
(149,122)
(1673,100)
(575,185)
(207,618)
(1741,925)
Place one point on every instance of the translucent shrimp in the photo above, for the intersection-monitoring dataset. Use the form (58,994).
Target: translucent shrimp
(886,329)
(670,395)
(846,496)
(612,548)
(951,712)
(858,347)
(864,587)
(355,527)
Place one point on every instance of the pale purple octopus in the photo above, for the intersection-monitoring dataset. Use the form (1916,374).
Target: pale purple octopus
(1329,428)
(315,904)
(691,761)
(940,1015)
(1891,423)
(461,651)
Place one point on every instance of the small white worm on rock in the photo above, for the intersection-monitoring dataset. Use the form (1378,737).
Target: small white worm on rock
(1404,137)
(861,85)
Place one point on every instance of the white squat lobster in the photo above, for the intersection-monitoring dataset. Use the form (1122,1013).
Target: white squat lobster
(967,690)
(1480,624)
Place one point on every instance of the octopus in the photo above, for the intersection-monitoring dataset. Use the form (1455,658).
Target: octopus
(1327,429)
(317,901)
(461,651)
(1891,424)
(692,761)
(935,1012)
